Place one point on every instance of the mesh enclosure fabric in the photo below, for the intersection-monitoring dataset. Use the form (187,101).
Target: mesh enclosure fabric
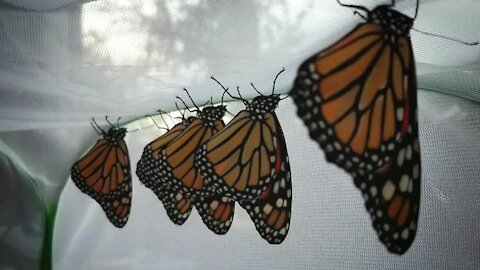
(330,228)
(65,61)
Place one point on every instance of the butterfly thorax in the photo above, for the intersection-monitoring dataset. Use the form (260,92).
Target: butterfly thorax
(114,135)
(263,104)
(393,22)
(212,114)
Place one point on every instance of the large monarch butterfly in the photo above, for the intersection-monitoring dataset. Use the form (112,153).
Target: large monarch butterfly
(177,206)
(248,161)
(104,174)
(358,99)
(177,166)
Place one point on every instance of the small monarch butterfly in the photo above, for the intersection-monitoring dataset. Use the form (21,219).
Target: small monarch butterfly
(358,99)
(248,161)
(104,174)
(177,206)
(177,166)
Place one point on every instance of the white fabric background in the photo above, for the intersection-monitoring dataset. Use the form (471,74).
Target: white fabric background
(129,58)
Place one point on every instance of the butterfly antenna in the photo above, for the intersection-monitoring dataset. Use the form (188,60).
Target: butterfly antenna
(359,14)
(188,94)
(155,123)
(180,111)
(230,113)
(223,95)
(96,131)
(286,96)
(164,112)
(206,103)
(163,119)
(354,6)
(225,90)
(106,118)
(118,122)
(275,80)
(245,102)
(447,38)
(137,129)
(186,107)
(93,119)
(416,9)
(254,88)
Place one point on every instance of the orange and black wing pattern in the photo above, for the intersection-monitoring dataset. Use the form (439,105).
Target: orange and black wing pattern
(186,186)
(104,174)
(240,159)
(216,212)
(177,159)
(177,206)
(358,99)
(271,211)
(354,95)
(147,166)
(392,196)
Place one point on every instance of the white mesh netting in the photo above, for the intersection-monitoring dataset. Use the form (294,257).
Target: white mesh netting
(63,62)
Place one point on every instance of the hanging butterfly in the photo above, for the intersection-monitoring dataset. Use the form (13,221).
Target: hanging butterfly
(358,99)
(177,166)
(177,206)
(248,161)
(104,174)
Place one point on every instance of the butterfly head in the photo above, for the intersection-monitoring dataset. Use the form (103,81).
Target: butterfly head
(394,22)
(264,104)
(213,113)
(115,134)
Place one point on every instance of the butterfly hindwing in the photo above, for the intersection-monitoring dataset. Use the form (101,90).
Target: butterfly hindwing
(216,212)
(271,211)
(392,197)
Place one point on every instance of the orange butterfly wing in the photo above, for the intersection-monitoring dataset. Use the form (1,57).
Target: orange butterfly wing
(177,206)
(358,98)
(392,197)
(271,211)
(240,159)
(216,212)
(104,174)
(186,187)
(352,97)
(177,159)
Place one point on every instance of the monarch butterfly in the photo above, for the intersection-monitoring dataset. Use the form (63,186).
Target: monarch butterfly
(177,206)
(104,174)
(177,166)
(248,161)
(358,99)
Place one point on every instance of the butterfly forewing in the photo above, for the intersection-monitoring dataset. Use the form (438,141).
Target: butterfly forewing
(351,97)
(177,159)
(271,211)
(240,159)
(177,206)
(104,174)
